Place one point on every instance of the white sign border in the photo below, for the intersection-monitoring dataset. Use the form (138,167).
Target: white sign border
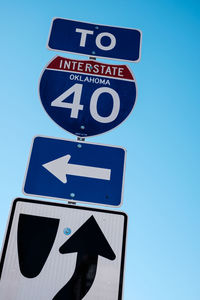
(74,200)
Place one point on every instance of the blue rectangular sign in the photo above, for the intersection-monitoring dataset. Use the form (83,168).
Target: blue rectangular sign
(95,40)
(76,171)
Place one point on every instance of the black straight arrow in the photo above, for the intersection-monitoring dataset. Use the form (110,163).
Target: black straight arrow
(89,242)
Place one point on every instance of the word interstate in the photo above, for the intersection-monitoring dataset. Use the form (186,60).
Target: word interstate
(95,68)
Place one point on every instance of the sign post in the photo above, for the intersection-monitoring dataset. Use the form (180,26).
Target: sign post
(54,251)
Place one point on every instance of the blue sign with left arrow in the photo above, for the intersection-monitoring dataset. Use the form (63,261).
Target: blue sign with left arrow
(77,171)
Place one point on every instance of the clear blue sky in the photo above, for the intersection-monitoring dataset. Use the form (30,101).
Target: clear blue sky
(161,195)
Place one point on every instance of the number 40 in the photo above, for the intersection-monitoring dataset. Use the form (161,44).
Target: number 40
(75,106)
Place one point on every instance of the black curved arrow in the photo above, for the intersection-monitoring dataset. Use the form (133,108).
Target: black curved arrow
(89,241)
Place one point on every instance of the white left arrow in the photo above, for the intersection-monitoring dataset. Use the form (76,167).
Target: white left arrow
(60,168)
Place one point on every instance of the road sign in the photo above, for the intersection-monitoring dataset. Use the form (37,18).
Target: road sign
(77,171)
(87,98)
(95,40)
(56,251)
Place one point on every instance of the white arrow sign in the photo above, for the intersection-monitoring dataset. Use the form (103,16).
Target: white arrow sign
(60,168)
